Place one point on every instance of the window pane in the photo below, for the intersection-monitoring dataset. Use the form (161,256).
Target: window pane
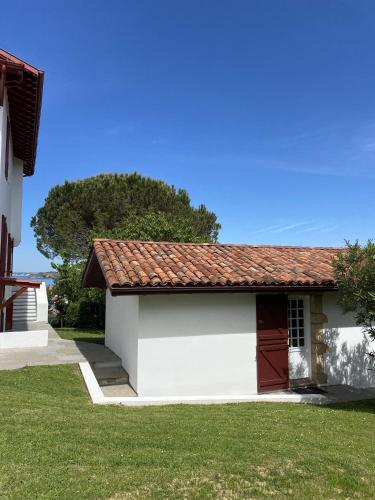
(296,323)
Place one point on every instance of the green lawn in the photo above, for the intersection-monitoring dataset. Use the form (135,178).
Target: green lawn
(55,444)
(84,335)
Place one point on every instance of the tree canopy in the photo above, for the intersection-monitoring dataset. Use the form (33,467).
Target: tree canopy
(124,206)
(70,304)
(355,275)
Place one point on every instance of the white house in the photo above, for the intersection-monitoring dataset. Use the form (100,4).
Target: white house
(20,105)
(212,319)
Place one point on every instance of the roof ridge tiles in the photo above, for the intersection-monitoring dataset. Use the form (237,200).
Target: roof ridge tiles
(219,245)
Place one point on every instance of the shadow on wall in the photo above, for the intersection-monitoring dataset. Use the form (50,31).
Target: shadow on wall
(299,369)
(348,364)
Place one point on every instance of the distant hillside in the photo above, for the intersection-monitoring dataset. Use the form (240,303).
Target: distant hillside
(42,274)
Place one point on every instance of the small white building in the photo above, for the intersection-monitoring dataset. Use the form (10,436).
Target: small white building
(20,105)
(212,320)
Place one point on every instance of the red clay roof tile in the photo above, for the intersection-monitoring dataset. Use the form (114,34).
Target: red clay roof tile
(156,265)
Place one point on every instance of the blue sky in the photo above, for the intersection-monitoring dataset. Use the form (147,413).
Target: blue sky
(262,110)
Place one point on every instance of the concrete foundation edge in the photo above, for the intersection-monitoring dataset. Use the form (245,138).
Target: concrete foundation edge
(97,396)
(14,340)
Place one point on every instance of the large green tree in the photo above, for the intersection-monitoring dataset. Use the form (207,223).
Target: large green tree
(123,206)
(355,274)
(117,205)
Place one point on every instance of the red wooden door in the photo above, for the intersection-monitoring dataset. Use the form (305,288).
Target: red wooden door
(3,257)
(272,342)
(9,309)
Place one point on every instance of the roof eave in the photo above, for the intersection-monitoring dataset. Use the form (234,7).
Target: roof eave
(38,75)
(17,60)
(29,172)
(90,263)
(115,290)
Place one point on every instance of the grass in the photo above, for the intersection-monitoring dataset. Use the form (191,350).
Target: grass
(55,444)
(84,335)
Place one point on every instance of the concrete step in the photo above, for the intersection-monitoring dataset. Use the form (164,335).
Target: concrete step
(110,375)
(119,391)
(112,363)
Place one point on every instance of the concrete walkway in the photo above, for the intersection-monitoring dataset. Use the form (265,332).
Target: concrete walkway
(57,352)
(338,394)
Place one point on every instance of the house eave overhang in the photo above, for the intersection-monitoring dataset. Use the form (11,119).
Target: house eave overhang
(24,84)
(9,281)
(93,275)
(115,291)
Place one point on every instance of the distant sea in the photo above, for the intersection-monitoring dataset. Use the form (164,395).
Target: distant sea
(34,277)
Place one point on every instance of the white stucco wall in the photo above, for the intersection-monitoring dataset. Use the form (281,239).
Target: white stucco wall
(41,303)
(121,331)
(346,362)
(15,218)
(205,344)
(197,344)
(10,189)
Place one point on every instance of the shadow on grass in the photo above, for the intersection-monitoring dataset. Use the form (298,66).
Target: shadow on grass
(362,406)
(92,340)
(81,335)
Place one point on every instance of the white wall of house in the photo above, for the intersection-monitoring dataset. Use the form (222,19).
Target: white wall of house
(11,188)
(185,344)
(347,361)
(205,344)
(15,224)
(41,303)
(197,344)
(121,331)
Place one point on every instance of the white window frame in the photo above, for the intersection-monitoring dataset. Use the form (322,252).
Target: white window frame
(307,320)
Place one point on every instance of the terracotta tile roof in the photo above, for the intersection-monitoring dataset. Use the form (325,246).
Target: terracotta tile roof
(139,265)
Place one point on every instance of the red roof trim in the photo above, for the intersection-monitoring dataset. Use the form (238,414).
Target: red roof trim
(7,55)
(9,281)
